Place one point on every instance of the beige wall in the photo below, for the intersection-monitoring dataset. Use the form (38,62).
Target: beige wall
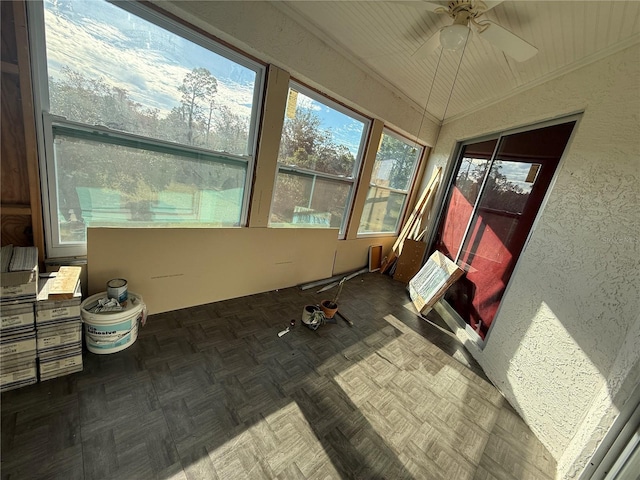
(354,254)
(173,268)
(565,345)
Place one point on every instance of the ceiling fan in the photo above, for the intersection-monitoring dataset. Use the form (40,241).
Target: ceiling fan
(467,13)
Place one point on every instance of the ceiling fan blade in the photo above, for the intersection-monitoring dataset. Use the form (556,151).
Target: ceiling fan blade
(490,5)
(511,44)
(423,5)
(428,47)
(430,6)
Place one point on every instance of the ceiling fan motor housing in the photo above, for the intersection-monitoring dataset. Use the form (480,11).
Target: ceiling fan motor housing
(466,9)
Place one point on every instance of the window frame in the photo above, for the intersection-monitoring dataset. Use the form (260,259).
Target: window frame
(304,172)
(407,193)
(45,120)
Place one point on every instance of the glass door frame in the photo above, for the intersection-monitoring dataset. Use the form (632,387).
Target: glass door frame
(452,165)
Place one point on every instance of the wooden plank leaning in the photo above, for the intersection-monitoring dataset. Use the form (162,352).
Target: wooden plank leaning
(421,221)
(418,211)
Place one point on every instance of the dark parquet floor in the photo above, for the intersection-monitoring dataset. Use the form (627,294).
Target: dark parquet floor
(211,392)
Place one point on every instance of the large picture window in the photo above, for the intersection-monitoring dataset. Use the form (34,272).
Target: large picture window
(393,173)
(145,123)
(319,159)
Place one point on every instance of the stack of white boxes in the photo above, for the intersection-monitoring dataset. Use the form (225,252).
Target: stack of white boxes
(59,332)
(19,278)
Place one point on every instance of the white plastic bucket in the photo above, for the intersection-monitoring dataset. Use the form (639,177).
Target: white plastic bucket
(111,332)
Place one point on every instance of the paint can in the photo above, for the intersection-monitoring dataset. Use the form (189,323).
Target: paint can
(307,313)
(312,316)
(117,288)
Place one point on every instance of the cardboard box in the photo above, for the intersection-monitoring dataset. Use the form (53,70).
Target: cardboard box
(61,364)
(25,292)
(16,345)
(19,266)
(23,374)
(61,352)
(16,318)
(58,367)
(59,335)
(17,350)
(14,279)
(19,274)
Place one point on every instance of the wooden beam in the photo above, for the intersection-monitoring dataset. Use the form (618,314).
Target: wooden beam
(15,209)
(8,67)
(417,181)
(31,146)
(418,211)
(266,167)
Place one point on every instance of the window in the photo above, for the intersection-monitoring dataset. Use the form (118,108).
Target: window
(393,172)
(319,159)
(144,122)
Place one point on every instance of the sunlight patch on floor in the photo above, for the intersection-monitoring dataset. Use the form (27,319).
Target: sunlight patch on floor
(283,442)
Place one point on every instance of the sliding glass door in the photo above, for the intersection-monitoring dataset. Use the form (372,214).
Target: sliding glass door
(497,190)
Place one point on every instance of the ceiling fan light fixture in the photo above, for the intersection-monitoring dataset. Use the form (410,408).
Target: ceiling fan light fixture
(453,37)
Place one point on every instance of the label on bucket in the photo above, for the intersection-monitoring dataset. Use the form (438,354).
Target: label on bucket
(110,345)
(114,329)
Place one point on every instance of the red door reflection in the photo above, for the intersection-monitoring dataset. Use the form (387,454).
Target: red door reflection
(492,205)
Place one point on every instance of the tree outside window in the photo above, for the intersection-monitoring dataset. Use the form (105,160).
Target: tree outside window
(320,153)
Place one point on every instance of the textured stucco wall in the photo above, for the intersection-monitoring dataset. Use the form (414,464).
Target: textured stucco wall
(564,347)
(260,29)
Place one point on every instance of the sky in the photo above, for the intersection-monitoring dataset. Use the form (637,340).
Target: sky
(101,40)
(345,129)
(516,172)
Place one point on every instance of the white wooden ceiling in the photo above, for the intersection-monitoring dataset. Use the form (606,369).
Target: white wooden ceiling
(381,37)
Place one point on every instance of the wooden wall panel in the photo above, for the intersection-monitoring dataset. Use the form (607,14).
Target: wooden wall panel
(15,179)
(20,194)
(8,31)
(16,230)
